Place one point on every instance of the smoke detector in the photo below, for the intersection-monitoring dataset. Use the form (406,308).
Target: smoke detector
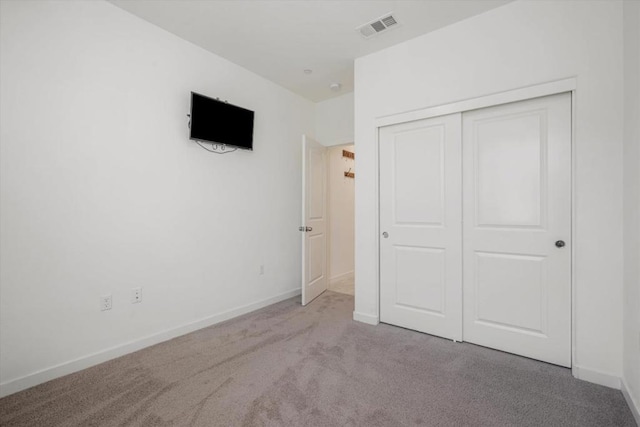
(379,25)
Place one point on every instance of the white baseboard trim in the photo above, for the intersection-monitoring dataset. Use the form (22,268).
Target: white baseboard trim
(347,275)
(634,404)
(365,318)
(47,374)
(596,377)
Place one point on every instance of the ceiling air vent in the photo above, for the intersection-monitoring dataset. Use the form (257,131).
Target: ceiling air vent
(379,25)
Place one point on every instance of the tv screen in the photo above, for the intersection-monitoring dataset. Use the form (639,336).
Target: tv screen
(220,123)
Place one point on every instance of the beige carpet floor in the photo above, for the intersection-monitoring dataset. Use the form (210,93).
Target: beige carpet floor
(313,366)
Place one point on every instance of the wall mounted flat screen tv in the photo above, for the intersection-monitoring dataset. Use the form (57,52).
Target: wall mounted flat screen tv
(218,122)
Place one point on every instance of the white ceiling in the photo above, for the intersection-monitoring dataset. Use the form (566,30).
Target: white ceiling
(278,39)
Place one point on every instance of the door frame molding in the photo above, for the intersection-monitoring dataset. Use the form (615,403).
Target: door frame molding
(489,100)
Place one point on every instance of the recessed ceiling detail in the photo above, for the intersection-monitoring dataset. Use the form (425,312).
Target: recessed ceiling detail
(370,29)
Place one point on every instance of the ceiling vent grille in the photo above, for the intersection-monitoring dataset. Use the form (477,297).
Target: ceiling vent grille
(377,26)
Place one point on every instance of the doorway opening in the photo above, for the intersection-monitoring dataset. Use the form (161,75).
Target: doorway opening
(341,218)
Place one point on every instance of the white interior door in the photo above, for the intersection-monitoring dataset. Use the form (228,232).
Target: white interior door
(420,214)
(517,214)
(314,219)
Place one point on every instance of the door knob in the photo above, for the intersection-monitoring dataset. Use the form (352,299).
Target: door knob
(560,244)
(308,229)
(385,234)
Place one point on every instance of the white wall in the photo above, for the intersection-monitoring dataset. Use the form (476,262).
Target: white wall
(632,202)
(517,45)
(341,212)
(102,191)
(334,120)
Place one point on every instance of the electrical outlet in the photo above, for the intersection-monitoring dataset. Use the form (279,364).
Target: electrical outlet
(136,295)
(261,270)
(105,302)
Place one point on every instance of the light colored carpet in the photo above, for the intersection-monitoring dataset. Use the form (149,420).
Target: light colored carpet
(295,366)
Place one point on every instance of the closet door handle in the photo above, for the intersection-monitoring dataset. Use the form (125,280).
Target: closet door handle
(385,234)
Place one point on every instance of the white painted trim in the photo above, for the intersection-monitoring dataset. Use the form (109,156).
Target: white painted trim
(376,182)
(574,234)
(365,318)
(597,377)
(347,140)
(66,368)
(634,404)
(520,94)
(347,275)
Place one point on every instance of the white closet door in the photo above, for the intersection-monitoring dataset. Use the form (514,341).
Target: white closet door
(517,228)
(420,246)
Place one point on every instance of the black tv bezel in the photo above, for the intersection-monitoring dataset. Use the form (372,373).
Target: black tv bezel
(240,147)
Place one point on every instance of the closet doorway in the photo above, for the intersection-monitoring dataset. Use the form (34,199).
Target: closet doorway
(475,223)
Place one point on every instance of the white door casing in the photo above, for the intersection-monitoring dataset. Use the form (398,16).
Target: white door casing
(314,219)
(516,206)
(420,200)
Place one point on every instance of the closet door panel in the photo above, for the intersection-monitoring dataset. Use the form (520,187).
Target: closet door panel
(420,200)
(517,228)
